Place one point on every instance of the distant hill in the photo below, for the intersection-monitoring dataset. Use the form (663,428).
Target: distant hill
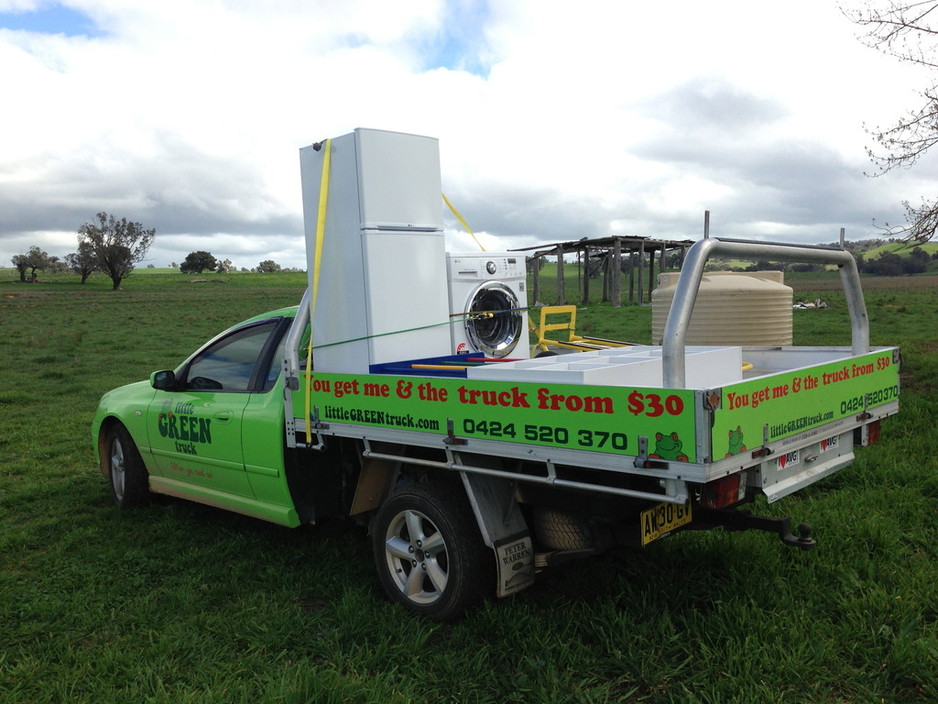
(894,258)
(874,248)
(875,256)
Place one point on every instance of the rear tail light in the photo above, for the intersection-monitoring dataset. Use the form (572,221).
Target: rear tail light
(724,492)
(866,434)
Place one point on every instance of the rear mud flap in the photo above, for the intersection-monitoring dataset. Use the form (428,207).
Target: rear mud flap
(503,529)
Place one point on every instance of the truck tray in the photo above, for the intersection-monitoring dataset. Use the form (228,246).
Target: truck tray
(787,416)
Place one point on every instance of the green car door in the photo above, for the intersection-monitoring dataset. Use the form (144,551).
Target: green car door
(195,426)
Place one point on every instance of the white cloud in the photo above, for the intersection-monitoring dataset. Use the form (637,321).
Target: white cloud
(556,120)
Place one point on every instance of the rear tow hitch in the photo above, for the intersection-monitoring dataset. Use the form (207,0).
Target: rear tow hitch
(745,520)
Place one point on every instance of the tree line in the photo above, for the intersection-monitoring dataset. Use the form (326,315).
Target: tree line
(114,247)
(197,262)
(886,263)
(891,264)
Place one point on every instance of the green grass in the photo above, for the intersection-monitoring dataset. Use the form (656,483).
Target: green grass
(183,603)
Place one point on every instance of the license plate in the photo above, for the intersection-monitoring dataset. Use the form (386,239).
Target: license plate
(660,520)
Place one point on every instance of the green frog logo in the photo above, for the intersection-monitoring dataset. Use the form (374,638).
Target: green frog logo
(668,447)
(736,444)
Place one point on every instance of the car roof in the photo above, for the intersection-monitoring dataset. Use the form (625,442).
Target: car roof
(288,312)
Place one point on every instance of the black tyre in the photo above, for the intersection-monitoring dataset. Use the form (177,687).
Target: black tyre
(124,467)
(429,551)
(560,530)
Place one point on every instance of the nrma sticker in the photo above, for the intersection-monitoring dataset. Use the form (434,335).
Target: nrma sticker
(789,459)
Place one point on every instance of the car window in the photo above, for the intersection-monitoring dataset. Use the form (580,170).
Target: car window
(276,364)
(276,360)
(229,364)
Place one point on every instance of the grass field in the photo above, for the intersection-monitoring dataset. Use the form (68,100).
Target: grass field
(182,603)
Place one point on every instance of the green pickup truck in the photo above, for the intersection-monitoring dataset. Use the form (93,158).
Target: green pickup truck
(474,473)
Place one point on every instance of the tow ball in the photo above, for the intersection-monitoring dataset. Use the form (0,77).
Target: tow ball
(803,540)
(745,520)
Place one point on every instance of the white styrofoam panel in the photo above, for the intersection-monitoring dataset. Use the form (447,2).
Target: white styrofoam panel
(705,368)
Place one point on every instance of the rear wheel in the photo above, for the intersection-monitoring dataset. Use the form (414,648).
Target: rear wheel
(126,472)
(429,552)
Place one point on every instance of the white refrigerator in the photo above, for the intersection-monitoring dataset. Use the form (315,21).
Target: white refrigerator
(382,289)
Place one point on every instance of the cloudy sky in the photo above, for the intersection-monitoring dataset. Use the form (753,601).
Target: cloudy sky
(556,119)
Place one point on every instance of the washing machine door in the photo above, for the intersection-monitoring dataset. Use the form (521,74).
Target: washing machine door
(494,319)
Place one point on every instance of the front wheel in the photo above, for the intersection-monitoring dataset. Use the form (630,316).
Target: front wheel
(124,467)
(429,551)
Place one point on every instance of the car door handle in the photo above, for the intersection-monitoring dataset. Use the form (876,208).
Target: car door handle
(223,416)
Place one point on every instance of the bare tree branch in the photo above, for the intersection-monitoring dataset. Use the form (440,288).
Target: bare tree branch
(905,30)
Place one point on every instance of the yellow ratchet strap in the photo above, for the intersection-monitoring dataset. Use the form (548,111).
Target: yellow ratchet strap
(462,221)
(317,259)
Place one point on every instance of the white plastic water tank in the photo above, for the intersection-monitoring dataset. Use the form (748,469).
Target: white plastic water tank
(732,308)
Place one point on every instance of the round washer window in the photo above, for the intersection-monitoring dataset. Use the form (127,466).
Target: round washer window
(495,321)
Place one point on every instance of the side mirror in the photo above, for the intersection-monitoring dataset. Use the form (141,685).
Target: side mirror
(164,380)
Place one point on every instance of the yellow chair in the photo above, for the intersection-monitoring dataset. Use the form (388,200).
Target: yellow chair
(580,343)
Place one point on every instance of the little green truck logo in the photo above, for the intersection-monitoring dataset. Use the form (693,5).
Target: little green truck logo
(178,422)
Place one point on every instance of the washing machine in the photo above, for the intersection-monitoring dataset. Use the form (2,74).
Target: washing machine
(488,304)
